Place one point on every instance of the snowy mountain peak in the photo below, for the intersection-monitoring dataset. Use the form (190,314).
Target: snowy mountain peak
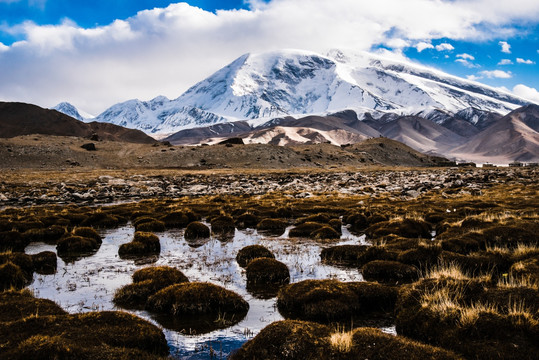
(294,83)
(71,110)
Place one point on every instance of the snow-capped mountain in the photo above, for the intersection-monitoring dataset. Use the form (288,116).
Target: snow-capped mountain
(71,110)
(294,83)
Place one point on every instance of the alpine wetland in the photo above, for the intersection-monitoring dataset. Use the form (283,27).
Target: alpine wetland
(344,182)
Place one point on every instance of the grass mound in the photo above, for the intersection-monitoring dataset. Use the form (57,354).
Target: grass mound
(146,282)
(389,272)
(17,305)
(77,246)
(332,300)
(472,316)
(274,227)
(251,252)
(354,255)
(409,228)
(300,340)
(263,271)
(12,241)
(196,230)
(143,244)
(95,335)
(45,262)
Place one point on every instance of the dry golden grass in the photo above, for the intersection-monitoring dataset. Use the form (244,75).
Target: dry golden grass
(468,315)
(342,340)
(511,281)
(442,300)
(446,270)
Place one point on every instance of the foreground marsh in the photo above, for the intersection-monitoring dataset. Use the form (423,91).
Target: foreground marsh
(487,236)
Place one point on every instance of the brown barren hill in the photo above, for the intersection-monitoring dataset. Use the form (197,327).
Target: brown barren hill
(18,119)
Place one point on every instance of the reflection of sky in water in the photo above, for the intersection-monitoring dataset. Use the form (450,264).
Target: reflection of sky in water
(89,283)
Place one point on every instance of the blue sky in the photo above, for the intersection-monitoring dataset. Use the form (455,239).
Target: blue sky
(96,53)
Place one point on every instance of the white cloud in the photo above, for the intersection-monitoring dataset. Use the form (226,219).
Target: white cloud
(444,47)
(527,93)
(506,47)
(466,56)
(473,77)
(499,74)
(397,43)
(423,45)
(3,47)
(527,62)
(505,62)
(163,51)
(467,63)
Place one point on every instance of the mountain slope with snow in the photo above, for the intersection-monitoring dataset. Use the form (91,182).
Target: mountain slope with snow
(295,83)
(70,110)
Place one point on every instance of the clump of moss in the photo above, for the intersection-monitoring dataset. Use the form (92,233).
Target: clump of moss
(316,218)
(423,256)
(325,232)
(49,235)
(196,299)
(143,244)
(370,343)
(76,246)
(12,276)
(17,305)
(247,221)
(354,255)
(45,262)
(305,229)
(389,272)
(12,241)
(95,335)
(251,252)
(449,308)
(409,228)
(175,220)
(263,271)
(299,340)
(147,282)
(148,224)
(223,225)
(196,230)
(293,339)
(87,232)
(274,227)
(331,300)
(101,220)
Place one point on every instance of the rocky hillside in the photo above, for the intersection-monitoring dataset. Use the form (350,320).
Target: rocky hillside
(18,119)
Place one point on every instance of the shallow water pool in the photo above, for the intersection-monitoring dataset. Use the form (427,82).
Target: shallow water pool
(89,283)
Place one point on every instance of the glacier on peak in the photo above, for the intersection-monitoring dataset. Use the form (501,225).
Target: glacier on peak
(295,82)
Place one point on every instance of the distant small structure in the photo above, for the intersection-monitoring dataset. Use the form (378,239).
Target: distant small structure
(489,165)
(532,164)
(516,164)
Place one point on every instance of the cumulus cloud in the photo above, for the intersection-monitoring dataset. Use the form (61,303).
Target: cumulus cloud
(423,45)
(444,47)
(166,50)
(527,93)
(467,63)
(466,56)
(527,62)
(505,62)
(506,47)
(498,74)
(473,77)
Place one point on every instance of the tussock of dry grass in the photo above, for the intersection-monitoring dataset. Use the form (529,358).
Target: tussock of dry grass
(468,315)
(511,281)
(342,340)
(451,270)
